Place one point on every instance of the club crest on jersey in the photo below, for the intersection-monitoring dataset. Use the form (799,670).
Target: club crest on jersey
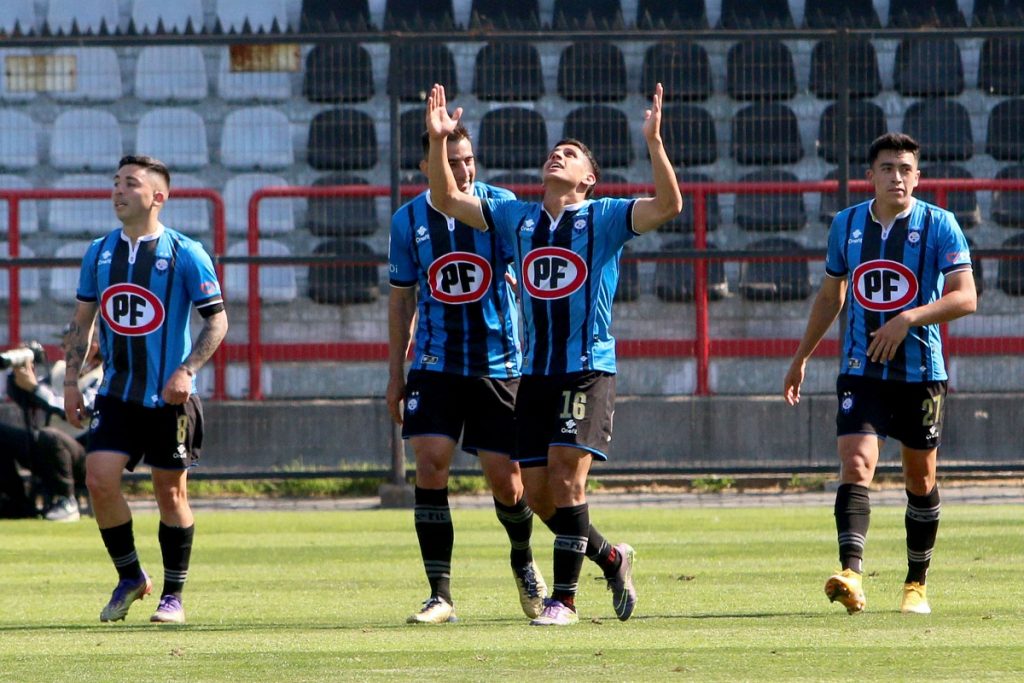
(459,277)
(131,310)
(883,285)
(579,224)
(553,272)
(161,264)
(913,237)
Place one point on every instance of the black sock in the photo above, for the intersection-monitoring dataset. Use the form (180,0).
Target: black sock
(518,522)
(602,552)
(436,534)
(853,514)
(120,542)
(570,525)
(176,548)
(922,522)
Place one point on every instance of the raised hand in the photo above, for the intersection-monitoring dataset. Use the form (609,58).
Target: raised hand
(439,123)
(652,116)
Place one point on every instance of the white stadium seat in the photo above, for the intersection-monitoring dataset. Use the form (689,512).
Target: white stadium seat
(28,218)
(86,140)
(171,74)
(17,12)
(64,281)
(92,217)
(97,75)
(244,86)
(146,14)
(260,15)
(87,14)
(190,216)
(28,279)
(19,145)
(276,215)
(256,138)
(276,283)
(175,136)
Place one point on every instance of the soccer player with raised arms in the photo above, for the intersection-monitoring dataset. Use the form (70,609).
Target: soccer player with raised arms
(566,252)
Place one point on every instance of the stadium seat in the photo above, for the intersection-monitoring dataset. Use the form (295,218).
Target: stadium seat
(976,267)
(766,134)
(863,77)
(675,281)
(928,67)
(760,69)
(628,287)
(1001,66)
(28,216)
(174,17)
(338,72)
(866,122)
(251,86)
(575,15)
(419,66)
(592,72)
(11,90)
(501,15)
(85,140)
(342,140)
(342,216)
(19,145)
(998,13)
(840,14)
(1010,277)
(190,216)
(411,127)
(942,127)
(97,75)
(776,281)
(355,282)
(964,205)
(93,217)
(176,136)
(508,72)
(672,14)
(684,221)
(689,135)
(770,212)
(605,130)
(683,68)
(932,14)
(90,16)
(276,214)
(1008,205)
(64,281)
(20,14)
(175,73)
(261,16)
(525,178)
(29,289)
(1005,123)
(830,200)
(328,16)
(512,137)
(755,14)
(419,15)
(277,284)
(256,138)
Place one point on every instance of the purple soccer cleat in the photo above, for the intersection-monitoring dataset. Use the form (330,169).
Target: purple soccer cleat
(125,593)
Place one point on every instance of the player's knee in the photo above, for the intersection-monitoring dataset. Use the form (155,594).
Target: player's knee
(101,487)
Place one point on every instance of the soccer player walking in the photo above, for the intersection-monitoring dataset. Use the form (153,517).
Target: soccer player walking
(908,267)
(566,252)
(143,279)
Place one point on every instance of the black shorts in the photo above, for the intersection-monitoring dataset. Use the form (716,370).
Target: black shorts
(169,437)
(479,409)
(910,412)
(575,409)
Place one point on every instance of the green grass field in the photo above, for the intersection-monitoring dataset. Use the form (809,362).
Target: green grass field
(724,595)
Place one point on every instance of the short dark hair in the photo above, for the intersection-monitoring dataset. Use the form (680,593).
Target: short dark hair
(893,142)
(590,157)
(149,164)
(460,133)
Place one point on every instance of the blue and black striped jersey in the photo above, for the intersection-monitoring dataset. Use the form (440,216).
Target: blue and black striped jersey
(145,294)
(468,323)
(889,270)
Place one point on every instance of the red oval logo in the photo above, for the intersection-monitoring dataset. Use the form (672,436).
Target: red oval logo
(553,272)
(460,277)
(883,286)
(131,310)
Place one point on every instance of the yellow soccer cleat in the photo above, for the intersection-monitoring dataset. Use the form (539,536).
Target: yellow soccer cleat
(846,588)
(915,599)
(435,610)
(532,589)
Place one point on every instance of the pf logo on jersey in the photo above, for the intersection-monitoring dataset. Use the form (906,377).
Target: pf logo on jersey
(553,272)
(460,277)
(131,310)
(883,285)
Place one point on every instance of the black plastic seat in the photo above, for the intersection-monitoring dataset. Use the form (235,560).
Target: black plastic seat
(411,127)
(628,288)
(684,222)
(1008,205)
(1001,66)
(341,216)
(932,14)
(767,280)
(689,135)
(419,66)
(519,178)
(683,68)
(346,283)
(942,127)
(512,137)
(419,15)
(502,15)
(572,15)
(508,72)
(330,16)
(963,204)
(863,76)
(770,212)
(592,72)
(830,200)
(841,14)
(1004,139)
(675,281)
(672,14)
(928,67)
(766,134)
(998,13)
(605,130)
(1010,277)
(760,69)
(755,14)
(342,140)
(338,72)
(866,122)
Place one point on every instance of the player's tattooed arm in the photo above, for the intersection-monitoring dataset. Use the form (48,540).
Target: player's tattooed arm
(215,328)
(76,340)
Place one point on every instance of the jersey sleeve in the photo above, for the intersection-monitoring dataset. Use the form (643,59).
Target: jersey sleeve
(87,284)
(502,216)
(954,252)
(835,259)
(201,281)
(613,219)
(401,265)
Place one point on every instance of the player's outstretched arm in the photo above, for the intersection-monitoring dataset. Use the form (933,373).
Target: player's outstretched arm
(444,191)
(76,343)
(401,322)
(826,307)
(179,384)
(667,202)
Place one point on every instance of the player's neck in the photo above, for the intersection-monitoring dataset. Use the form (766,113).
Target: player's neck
(887,213)
(135,230)
(556,199)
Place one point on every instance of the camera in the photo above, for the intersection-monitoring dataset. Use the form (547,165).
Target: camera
(31,352)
